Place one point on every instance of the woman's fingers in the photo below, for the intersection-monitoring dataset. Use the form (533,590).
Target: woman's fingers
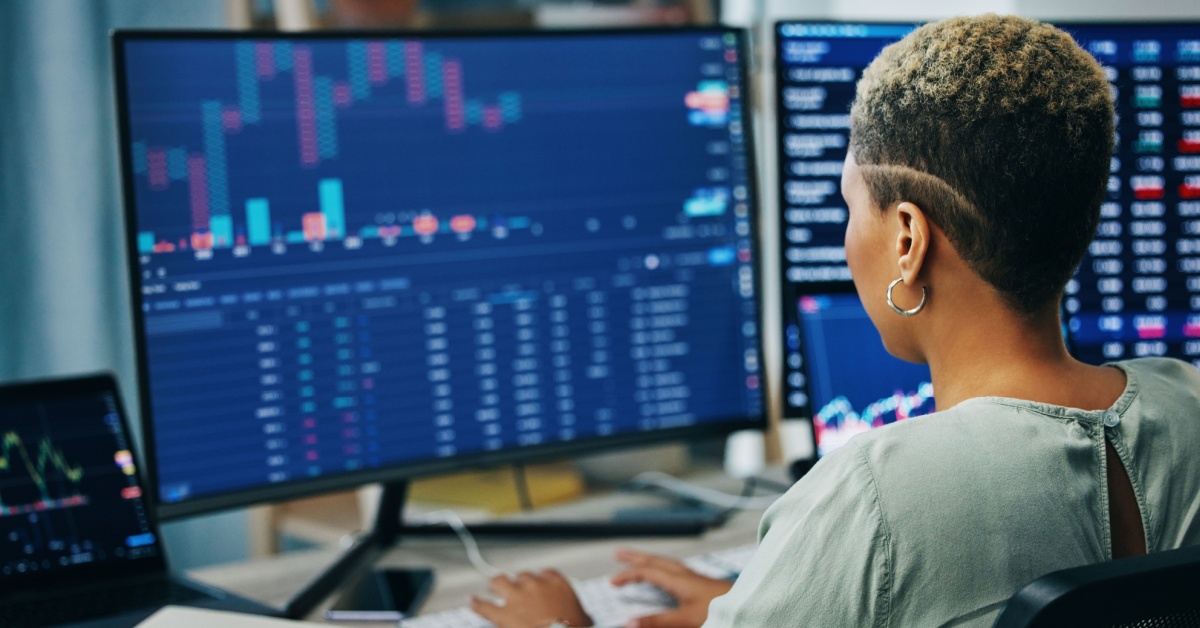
(501,585)
(635,558)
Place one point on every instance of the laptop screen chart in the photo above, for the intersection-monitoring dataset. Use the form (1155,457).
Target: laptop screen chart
(854,383)
(68,487)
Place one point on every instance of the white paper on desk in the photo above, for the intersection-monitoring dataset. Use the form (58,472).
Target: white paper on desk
(188,617)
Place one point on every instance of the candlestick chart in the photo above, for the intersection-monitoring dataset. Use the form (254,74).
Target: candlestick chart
(302,142)
(262,74)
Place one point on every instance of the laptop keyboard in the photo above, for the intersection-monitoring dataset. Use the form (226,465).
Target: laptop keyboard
(95,602)
(606,604)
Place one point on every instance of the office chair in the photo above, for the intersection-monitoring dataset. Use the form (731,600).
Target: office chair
(1160,590)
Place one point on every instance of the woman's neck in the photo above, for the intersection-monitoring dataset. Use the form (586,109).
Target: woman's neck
(998,352)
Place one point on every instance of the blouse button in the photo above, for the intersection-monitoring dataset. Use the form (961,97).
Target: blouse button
(1111,419)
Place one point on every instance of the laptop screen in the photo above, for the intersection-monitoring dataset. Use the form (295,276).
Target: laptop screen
(70,496)
(853,383)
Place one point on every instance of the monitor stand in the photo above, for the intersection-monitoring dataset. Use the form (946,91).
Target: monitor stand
(388,529)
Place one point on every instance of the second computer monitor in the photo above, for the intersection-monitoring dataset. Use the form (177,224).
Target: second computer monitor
(1137,292)
(817,65)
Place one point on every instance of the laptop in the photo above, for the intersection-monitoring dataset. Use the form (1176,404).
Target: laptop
(853,383)
(79,544)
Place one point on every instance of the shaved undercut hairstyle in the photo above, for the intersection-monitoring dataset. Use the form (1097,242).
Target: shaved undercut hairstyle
(1000,129)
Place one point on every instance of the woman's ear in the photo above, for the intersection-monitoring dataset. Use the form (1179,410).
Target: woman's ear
(912,241)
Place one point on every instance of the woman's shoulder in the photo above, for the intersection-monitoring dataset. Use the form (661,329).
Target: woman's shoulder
(1163,375)
(1163,393)
(1151,383)
(1027,438)
(970,424)
(971,453)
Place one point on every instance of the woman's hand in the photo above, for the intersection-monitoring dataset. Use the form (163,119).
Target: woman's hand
(691,591)
(532,600)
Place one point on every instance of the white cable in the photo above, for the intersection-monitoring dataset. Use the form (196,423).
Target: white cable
(652,478)
(703,494)
(451,518)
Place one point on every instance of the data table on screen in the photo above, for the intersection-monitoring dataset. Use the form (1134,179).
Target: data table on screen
(1137,292)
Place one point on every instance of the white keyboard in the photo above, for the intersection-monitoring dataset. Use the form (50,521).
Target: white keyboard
(606,604)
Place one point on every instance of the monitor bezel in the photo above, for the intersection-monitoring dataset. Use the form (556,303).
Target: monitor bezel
(306,487)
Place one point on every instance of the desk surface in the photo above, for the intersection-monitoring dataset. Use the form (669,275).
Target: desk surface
(274,580)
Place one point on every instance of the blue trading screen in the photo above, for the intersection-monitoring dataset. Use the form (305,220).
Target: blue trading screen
(1137,292)
(816,68)
(360,254)
(855,385)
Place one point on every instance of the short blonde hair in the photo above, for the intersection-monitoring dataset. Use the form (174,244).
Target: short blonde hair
(1001,129)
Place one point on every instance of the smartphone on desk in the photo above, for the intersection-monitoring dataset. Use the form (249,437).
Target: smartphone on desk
(383,595)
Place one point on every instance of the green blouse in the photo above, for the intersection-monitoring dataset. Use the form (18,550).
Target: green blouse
(938,520)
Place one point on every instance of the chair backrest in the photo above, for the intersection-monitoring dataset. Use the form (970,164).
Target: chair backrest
(1159,590)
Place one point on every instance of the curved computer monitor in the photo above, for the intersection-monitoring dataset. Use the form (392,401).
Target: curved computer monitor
(365,257)
(1137,292)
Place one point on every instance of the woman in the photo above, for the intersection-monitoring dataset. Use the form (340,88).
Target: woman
(979,156)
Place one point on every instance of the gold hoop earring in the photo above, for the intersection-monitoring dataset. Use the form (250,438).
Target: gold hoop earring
(912,312)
